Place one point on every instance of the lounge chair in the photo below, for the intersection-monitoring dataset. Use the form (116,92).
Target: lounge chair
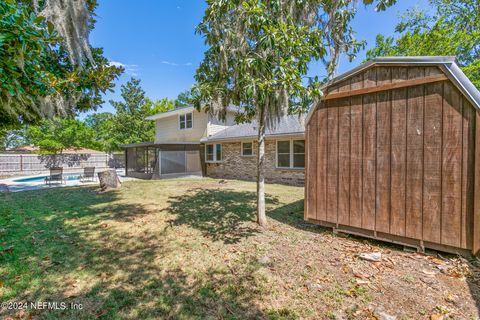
(88,174)
(56,176)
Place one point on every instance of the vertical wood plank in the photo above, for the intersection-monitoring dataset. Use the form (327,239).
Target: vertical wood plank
(432,172)
(382,196)
(476,202)
(369,152)
(344,156)
(332,165)
(322,151)
(451,166)
(399,153)
(468,158)
(306,195)
(356,161)
(414,181)
(311,168)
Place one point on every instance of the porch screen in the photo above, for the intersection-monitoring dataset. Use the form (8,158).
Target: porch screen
(172,162)
(180,162)
(193,161)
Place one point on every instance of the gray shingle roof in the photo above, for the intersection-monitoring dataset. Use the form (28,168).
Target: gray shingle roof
(288,125)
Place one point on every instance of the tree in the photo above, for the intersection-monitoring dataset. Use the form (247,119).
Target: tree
(258,56)
(48,68)
(13,138)
(103,126)
(161,105)
(58,134)
(183,99)
(453,29)
(129,124)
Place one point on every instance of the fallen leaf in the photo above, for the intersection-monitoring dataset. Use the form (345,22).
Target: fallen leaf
(428,272)
(450,298)
(436,260)
(371,256)
(437,316)
(101,313)
(7,250)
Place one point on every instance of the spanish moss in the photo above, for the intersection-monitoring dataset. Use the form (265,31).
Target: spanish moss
(71,19)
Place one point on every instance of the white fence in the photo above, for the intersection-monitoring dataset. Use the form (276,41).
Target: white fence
(19,163)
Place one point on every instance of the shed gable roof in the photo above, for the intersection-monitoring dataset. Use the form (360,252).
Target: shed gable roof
(447,64)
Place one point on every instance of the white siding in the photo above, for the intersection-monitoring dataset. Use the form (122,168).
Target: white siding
(215,125)
(167,129)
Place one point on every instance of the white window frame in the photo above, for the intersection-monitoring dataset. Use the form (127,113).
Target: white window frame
(246,155)
(291,154)
(215,160)
(184,115)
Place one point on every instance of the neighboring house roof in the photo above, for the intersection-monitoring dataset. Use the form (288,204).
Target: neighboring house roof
(81,151)
(24,149)
(181,110)
(288,125)
(447,64)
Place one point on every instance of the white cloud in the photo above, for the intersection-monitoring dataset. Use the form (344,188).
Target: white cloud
(130,69)
(173,64)
(116,64)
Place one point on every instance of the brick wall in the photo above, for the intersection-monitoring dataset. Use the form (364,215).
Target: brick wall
(236,166)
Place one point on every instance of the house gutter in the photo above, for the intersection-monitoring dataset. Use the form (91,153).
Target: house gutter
(254,137)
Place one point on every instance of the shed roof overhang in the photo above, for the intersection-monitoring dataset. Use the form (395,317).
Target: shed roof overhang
(448,65)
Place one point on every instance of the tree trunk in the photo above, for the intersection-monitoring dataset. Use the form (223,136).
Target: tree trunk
(261,216)
(109,179)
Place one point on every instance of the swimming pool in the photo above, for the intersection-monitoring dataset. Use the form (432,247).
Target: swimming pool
(66,176)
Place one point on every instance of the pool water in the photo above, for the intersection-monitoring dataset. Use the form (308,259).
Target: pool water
(67,176)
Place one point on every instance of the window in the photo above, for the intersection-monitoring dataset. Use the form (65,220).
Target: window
(213,152)
(186,121)
(299,153)
(209,153)
(247,149)
(291,154)
(283,154)
(218,152)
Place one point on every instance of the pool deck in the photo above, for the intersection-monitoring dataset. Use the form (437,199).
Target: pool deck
(15,186)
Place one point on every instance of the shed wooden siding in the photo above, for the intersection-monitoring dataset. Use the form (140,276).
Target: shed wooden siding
(397,162)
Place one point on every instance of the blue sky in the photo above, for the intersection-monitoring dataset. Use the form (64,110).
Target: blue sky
(156,40)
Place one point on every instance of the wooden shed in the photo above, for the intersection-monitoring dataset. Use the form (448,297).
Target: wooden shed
(393,154)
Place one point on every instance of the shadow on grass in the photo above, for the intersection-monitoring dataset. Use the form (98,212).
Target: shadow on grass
(55,246)
(220,214)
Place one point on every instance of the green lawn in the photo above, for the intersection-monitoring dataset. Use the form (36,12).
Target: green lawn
(189,249)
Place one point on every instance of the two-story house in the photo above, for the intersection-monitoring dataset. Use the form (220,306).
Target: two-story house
(189,142)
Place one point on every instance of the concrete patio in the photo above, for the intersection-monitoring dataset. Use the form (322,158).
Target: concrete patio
(13,185)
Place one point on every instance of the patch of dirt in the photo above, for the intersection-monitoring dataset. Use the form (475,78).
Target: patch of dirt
(191,249)
(403,285)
